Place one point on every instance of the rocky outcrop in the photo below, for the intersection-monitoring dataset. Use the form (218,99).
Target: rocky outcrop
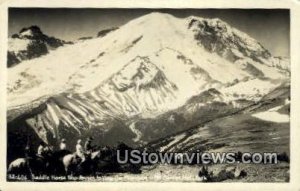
(30,43)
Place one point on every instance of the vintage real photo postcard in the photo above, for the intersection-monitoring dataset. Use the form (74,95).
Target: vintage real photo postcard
(148,94)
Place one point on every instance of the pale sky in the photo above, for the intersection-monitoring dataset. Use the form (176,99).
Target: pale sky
(270,27)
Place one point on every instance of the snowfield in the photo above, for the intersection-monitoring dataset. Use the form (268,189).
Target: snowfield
(79,68)
(155,69)
(16,45)
(273,115)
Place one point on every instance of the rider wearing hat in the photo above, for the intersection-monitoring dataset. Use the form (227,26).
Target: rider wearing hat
(79,150)
(88,145)
(63,145)
(42,149)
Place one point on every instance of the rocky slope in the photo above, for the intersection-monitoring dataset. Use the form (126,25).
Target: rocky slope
(259,127)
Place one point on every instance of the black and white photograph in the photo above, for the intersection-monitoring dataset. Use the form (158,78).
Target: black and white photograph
(148,95)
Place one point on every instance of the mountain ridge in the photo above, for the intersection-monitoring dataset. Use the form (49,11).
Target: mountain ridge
(140,76)
(30,43)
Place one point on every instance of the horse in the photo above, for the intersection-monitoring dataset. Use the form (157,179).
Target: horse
(32,165)
(57,162)
(73,164)
(20,167)
(109,160)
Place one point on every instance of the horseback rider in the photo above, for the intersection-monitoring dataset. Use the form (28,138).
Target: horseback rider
(80,151)
(88,146)
(42,150)
(63,145)
(62,149)
(27,151)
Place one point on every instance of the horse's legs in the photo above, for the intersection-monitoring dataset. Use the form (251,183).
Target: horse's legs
(29,174)
(94,171)
(48,170)
(66,173)
(95,174)
(50,176)
(78,172)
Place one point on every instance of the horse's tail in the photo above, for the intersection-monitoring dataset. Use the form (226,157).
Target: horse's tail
(10,168)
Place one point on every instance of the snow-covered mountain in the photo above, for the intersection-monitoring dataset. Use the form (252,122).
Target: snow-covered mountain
(30,43)
(139,75)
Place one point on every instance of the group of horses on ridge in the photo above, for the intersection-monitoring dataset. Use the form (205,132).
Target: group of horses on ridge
(64,163)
